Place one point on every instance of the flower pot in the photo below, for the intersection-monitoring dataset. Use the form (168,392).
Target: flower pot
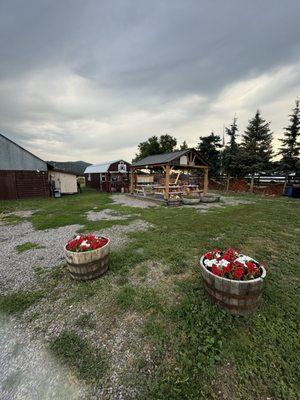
(209,199)
(190,201)
(174,202)
(87,265)
(236,297)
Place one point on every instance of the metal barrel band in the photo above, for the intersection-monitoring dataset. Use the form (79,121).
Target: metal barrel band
(233,295)
(232,306)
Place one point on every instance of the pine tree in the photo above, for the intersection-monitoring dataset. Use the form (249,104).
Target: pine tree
(230,153)
(290,149)
(209,148)
(256,147)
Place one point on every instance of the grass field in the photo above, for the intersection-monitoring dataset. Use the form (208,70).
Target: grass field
(151,305)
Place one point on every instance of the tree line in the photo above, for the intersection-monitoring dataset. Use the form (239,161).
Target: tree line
(252,154)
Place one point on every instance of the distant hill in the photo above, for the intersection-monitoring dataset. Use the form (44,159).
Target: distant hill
(77,167)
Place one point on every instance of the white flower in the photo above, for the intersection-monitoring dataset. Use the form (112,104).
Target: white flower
(209,263)
(243,259)
(223,263)
(77,237)
(84,243)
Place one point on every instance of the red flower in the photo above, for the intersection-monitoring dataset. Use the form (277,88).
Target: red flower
(252,268)
(208,255)
(227,268)
(215,270)
(238,272)
(93,241)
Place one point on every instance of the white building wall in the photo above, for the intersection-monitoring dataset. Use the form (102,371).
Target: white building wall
(66,183)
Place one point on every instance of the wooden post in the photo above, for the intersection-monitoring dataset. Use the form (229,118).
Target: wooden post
(167,182)
(131,180)
(252,184)
(205,191)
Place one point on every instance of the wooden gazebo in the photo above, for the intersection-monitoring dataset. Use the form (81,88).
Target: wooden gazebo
(182,160)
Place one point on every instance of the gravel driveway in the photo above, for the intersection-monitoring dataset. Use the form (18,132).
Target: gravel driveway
(17,269)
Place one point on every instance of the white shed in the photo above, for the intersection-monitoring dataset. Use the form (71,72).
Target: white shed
(66,182)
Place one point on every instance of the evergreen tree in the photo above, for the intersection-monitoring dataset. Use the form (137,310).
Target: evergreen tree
(184,146)
(256,147)
(230,153)
(209,148)
(290,149)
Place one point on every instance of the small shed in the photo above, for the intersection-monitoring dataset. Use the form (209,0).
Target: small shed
(22,174)
(65,182)
(110,176)
(181,160)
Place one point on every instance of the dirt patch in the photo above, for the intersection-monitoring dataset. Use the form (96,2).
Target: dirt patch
(21,214)
(125,346)
(132,201)
(106,215)
(224,201)
(225,386)
(118,233)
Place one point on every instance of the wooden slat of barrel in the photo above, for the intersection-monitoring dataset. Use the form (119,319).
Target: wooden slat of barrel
(89,271)
(88,265)
(237,297)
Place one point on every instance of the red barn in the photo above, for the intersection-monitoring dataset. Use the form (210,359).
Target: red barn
(110,176)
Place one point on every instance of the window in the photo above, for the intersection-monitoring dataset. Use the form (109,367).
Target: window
(122,167)
(89,177)
(103,178)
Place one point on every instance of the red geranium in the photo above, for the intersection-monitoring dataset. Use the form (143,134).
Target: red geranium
(231,264)
(238,272)
(82,243)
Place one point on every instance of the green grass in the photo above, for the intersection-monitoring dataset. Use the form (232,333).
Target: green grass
(199,351)
(75,351)
(17,302)
(27,246)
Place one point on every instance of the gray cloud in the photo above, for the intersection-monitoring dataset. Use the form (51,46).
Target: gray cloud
(89,79)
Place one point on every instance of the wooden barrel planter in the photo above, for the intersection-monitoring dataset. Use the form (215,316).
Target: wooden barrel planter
(84,266)
(236,297)
(174,202)
(209,199)
(190,200)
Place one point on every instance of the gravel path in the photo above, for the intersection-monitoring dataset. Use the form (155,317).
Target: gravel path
(118,233)
(17,269)
(125,200)
(27,371)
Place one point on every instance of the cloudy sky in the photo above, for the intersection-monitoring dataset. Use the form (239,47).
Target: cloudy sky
(89,80)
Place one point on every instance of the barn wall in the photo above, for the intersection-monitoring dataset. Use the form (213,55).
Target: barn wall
(114,166)
(94,182)
(8,189)
(14,158)
(21,184)
(66,183)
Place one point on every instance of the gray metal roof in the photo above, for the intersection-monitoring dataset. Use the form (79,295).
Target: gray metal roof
(100,168)
(159,158)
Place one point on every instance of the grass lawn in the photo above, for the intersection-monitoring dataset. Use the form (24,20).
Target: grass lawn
(181,345)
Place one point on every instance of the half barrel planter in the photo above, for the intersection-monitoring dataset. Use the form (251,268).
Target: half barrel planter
(236,297)
(84,266)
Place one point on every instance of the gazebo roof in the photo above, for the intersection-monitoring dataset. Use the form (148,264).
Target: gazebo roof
(166,158)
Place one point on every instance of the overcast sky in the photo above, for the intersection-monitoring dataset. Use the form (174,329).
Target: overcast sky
(89,80)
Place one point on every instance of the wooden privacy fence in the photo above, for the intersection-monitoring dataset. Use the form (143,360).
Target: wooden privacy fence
(264,187)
